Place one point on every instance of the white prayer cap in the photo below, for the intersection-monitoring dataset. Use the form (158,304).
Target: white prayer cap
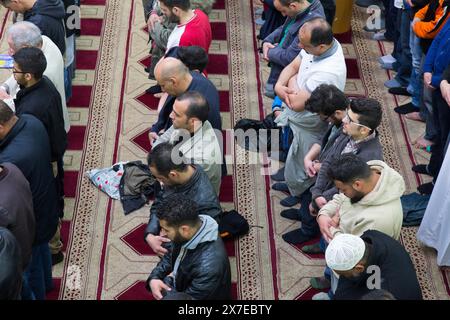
(344,252)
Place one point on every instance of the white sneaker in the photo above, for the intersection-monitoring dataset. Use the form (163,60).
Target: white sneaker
(321,296)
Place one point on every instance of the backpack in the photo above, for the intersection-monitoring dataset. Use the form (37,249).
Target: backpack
(232,225)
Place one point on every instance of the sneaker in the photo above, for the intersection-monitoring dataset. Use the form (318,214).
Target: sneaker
(392,84)
(405,108)
(321,296)
(320,283)
(259,11)
(290,201)
(426,188)
(291,214)
(280,186)
(400,91)
(57,258)
(279,176)
(312,248)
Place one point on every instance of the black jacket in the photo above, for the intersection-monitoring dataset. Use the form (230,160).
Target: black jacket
(397,272)
(16,208)
(49,16)
(26,146)
(199,189)
(43,101)
(10,267)
(207,89)
(203,273)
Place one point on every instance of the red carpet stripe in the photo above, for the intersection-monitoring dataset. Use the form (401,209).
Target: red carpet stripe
(224,98)
(91,27)
(93,2)
(219,30)
(76,137)
(70,183)
(81,97)
(218,64)
(86,59)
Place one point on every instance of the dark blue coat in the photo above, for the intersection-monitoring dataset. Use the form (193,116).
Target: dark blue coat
(207,89)
(27,146)
(438,56)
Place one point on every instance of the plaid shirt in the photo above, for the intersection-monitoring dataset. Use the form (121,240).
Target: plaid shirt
(352,145)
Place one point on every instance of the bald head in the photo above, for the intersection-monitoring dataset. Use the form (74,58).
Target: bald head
(173,76)
(170,67)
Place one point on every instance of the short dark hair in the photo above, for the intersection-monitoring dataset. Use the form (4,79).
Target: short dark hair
(369,111)
(177,210)
(321,32)
(182,4)
(348,168)
(194,57)
(31,60)
(160,158)
(6,112)
(198,105)
(326,99)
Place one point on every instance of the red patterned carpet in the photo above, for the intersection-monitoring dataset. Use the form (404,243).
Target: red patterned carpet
(105,255)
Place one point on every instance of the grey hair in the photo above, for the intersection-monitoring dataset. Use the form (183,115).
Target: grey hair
(24,34)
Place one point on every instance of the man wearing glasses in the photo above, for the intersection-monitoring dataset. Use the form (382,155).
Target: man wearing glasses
(358,137)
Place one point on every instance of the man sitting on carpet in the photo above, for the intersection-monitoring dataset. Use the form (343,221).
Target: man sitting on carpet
(331,105)
(369,199)
(358,136)
(195,134)
(320,62)
(177,177)
(354,258)
(197,263)
(175,79)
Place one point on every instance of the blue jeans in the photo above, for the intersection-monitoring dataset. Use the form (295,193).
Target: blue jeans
(327,272)
(38,274)
(404,51)
(414,206)
(415,87)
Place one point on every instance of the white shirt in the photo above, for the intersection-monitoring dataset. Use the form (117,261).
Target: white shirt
(315,71)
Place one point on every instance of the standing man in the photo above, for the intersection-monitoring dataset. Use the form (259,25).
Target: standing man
(282,46)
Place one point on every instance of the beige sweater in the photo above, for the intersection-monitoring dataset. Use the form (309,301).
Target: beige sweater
(379,210)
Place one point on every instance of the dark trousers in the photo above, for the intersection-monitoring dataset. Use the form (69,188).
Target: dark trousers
(391,20)
(309,224)
(404,51)
(441,113)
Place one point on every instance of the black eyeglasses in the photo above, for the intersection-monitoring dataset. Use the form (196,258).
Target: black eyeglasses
(15,71)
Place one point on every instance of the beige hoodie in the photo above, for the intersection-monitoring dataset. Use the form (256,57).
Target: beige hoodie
(379,210)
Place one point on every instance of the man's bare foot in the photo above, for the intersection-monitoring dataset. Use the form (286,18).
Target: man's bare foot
(422,143)
(158,95)
(414,116)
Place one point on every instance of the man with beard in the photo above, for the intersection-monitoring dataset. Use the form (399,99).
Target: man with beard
(350,257)
(359,137)
(178,178)
(197,263)
(369,199)
(193,27)
(194,135)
